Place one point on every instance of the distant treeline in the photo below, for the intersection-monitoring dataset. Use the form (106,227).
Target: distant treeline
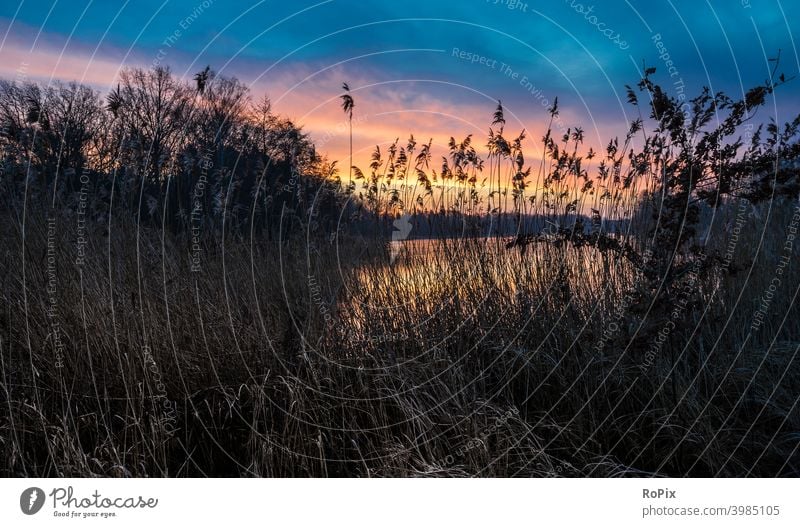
(197,155)
(454,224)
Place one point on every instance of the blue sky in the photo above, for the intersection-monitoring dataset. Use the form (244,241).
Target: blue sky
(410,63)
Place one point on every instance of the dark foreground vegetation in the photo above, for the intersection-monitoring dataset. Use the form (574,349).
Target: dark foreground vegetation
(188,289)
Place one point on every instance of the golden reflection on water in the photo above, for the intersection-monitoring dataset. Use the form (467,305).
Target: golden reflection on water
(428,261)
(424,276)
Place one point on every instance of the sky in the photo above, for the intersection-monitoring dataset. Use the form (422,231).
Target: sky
(432,68)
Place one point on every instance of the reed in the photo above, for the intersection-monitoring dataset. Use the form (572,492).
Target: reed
(574,344)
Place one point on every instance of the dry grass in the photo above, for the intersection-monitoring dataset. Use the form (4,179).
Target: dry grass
(465,359)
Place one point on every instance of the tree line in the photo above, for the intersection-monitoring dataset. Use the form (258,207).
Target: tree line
(166,150)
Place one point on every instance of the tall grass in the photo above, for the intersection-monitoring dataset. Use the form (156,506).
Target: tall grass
(568,351)
(457,360)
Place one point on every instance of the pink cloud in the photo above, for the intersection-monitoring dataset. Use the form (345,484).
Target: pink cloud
(44,64)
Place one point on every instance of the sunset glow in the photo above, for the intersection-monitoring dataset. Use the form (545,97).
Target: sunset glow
(261,239)
(432,78)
